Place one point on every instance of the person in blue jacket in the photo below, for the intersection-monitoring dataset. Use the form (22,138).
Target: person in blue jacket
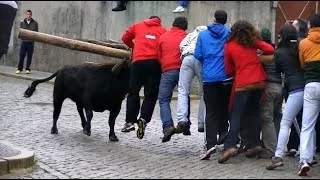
(216,84)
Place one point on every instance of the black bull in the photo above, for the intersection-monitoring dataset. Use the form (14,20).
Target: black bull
(93,88)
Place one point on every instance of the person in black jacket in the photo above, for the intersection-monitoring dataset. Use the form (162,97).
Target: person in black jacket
(286,59)
(271,105)
(27,46)
(121,6)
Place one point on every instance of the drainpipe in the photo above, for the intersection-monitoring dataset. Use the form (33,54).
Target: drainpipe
(316,7)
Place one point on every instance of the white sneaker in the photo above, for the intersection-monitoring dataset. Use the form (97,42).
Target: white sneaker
(179,9)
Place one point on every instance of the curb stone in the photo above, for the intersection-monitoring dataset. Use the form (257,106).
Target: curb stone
(11,164)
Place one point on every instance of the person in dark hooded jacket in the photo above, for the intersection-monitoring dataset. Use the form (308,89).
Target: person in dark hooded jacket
(216,84)
(145,71)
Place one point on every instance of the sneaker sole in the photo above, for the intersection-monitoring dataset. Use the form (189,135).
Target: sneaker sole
(141,128)
(272,167)
(128,129)
(303,171)
(208,155)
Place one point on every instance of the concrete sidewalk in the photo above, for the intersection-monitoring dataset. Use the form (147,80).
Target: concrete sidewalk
(10,71)
(13,159)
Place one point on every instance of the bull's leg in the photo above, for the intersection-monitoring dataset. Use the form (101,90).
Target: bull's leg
(83,119)
(112,120)
(57,104)
(87,129)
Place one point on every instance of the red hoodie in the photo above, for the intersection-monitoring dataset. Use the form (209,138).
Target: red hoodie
(168,48)
(244,65)
(146,35)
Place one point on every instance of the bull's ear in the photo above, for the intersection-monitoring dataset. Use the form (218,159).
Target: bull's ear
(116,68)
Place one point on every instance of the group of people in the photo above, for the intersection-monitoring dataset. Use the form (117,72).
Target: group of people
(243,78)
(241,94)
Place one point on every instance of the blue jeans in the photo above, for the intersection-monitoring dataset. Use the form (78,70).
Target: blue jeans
(190,68)
(311,108)
(168,82)
(291,109)
(184,4)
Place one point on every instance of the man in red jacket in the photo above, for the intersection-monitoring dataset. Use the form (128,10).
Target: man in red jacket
(169,58)
(145,71)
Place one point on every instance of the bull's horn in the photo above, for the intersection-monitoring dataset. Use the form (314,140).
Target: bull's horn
(118,66)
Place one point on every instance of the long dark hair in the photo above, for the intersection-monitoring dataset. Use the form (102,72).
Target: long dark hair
(244,33)
(288,34)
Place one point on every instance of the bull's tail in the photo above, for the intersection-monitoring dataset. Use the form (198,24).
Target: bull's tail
(34,84)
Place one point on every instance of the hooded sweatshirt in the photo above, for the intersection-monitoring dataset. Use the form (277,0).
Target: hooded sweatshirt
(188,44)
(209,51)
(168,49)
(309,52)
(145,35)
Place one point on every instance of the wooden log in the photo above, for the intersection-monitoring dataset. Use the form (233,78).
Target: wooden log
(73,44)
(107,44)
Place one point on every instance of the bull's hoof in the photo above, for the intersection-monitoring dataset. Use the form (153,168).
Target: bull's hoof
(86,132)
(54,131)
(113,138)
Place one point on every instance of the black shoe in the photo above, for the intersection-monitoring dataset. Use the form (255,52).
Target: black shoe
(120,8)
(265,154)
(181,127)
(128,127)
(167,133)
(222,138)
(141,127)
(200,129)
(187,132)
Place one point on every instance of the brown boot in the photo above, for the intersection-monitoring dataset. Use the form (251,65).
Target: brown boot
(254,151)
(227,154)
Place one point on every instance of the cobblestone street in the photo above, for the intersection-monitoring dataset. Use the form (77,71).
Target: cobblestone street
(71,154)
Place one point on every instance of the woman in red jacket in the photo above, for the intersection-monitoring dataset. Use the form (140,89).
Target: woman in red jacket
(241,61)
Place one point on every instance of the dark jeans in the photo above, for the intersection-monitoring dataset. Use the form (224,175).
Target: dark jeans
(25,49)
(144,73)
(168,82)
(245,116)
(184,4)
(216,98)
(7,16)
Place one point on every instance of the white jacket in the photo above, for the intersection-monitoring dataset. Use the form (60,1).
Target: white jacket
(188,44)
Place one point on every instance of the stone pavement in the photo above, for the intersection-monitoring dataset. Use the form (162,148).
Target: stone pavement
(71,154)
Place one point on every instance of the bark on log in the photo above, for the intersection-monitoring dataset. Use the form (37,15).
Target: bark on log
(73,44)
(107,44)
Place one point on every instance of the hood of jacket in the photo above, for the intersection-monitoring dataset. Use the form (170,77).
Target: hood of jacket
(199,29)
(152,22)
(217,30)
(314,35)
